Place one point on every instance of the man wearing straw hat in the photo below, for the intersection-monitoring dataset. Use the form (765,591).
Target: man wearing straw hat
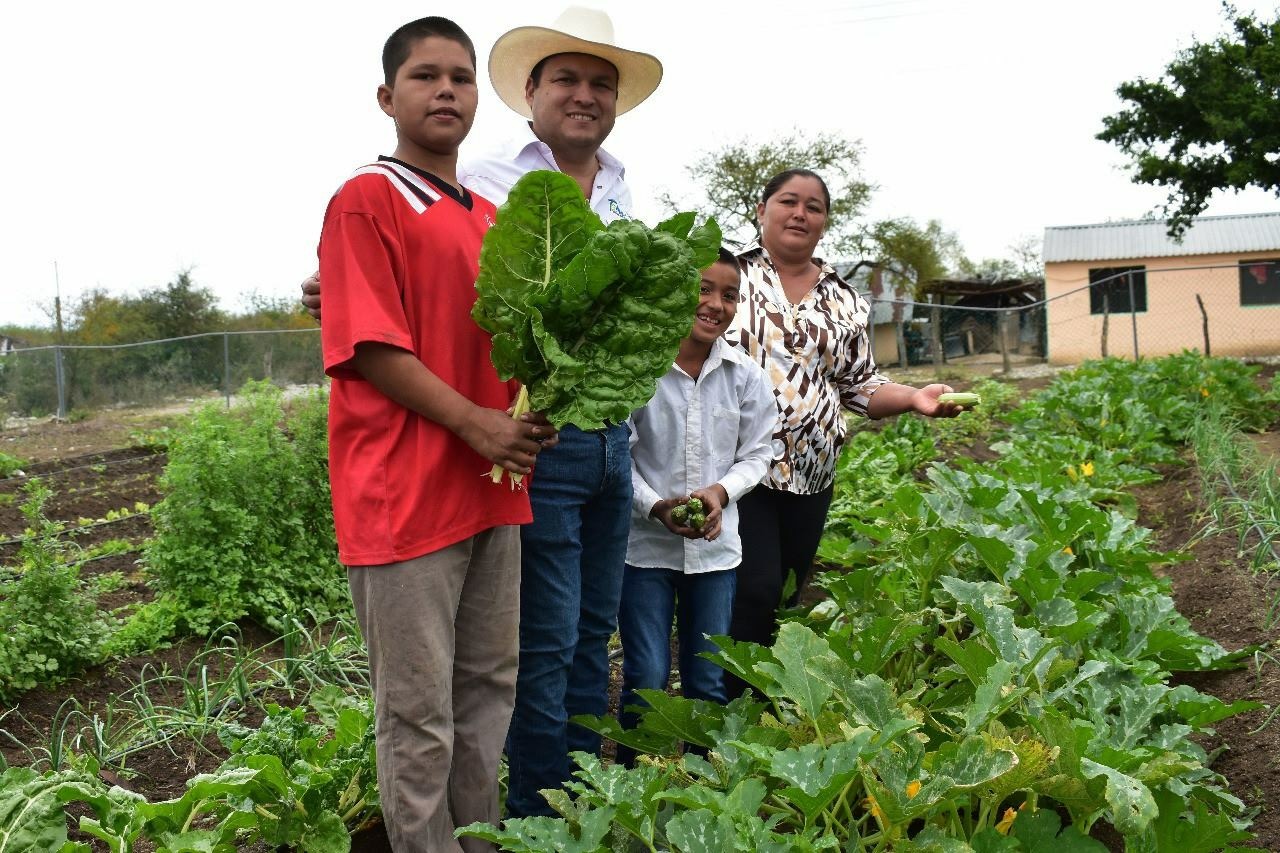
(570,80)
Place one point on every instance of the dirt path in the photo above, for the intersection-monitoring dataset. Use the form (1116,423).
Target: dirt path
(1224,600)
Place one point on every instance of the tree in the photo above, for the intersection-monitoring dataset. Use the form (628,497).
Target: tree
(921,253)
(1022,262)
(1212,122)
(733,177)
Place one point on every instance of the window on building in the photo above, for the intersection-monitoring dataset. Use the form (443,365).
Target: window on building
(1109,290)
(1260,282)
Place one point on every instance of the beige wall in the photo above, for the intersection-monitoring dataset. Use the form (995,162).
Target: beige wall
(1172,321)
(884,343)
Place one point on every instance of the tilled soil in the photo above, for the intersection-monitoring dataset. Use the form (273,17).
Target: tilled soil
(1216,590)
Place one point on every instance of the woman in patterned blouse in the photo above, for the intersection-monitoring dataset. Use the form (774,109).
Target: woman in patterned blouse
(809,330)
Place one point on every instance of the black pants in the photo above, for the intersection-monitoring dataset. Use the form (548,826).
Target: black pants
(780,533)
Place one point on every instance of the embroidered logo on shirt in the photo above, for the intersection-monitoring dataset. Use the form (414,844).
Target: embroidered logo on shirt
(488,221)
(616,209)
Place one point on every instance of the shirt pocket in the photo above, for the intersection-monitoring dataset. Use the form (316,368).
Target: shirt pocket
(724,436)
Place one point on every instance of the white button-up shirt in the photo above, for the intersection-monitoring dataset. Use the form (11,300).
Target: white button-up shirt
(693,434)
(493,178)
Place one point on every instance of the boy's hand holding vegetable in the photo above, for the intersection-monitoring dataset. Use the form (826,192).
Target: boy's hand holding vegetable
(697,516)
(713,498)
(673,515)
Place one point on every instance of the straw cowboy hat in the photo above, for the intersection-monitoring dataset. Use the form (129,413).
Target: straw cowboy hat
(577,30)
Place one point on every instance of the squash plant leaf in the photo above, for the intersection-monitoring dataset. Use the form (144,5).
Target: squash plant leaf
(798,647)
(701,831)
(815,775)
(545,834)
(1199,831)
(1041,832)
(1132,805)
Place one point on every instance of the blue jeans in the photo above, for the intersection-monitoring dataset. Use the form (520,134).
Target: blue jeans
(700,604)
(572,556)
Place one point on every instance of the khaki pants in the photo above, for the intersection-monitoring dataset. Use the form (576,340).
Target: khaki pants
(443,638)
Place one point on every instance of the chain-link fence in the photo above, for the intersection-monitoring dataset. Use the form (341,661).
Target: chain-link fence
(1092,312)
(59,379)
(1088,312)
(1140,310)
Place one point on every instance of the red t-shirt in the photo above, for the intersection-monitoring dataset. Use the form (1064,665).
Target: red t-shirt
(398,263)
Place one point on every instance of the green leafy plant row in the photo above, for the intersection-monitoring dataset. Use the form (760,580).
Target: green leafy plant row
(289,783)
(992,664)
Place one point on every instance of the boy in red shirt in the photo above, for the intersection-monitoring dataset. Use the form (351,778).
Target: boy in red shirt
(416,418)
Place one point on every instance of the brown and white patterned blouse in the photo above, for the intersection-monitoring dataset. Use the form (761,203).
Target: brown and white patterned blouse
(818,356)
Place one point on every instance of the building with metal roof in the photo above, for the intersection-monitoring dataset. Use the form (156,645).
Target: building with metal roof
(1129,289)
(1149,238)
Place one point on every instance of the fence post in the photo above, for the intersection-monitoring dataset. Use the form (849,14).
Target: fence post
(1204,322)
(1106,316)
(59,374)
(935,329)
(1133,315)
(226,367)
(1002,329)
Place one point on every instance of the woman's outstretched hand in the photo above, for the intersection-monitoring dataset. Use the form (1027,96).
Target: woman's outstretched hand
(925,401)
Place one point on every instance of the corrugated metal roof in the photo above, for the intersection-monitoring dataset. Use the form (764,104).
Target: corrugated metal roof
(1208,235)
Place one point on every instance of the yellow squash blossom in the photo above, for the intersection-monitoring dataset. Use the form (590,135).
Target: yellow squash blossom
(1006,822)
(872,806)
(913,788)
(1067,550)
(1086,468)
(1071,472)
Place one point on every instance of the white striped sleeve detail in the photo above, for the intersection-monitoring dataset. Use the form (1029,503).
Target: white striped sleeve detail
(408,175)
(394,180)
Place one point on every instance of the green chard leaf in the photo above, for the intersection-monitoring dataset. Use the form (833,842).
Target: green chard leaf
(588,318)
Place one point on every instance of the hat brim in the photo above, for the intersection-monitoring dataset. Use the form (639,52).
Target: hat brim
(516,52)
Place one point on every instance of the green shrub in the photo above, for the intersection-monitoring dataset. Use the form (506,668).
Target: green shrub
(246,525)
(9,465)
(49,619)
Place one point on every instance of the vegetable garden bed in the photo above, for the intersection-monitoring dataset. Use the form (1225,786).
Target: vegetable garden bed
(1214,588)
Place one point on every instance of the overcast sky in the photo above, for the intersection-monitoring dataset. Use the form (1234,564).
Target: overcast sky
(143,138)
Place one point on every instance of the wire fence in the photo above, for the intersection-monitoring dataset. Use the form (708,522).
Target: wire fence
(61,379)
(1091,311)
(1088,311)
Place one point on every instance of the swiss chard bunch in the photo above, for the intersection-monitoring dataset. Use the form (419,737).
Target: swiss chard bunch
(587,318)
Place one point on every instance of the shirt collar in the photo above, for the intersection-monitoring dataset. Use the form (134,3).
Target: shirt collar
(754,250)
(539,151)
(716,356)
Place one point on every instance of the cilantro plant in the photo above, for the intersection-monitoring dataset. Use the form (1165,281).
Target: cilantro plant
(49,618)
(246,524)
(10,465)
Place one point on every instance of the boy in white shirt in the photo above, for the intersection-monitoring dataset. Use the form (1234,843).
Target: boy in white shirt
(706,434)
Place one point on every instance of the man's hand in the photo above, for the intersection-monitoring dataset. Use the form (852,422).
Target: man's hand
(508,443)
(311,294)
(714,499)
(662,511)
(543,432)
